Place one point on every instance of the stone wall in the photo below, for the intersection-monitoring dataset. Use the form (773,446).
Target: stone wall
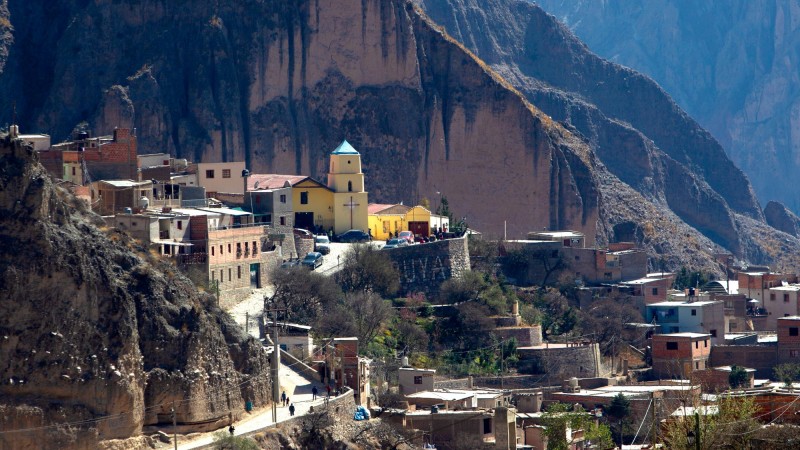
(560,362)
(424,267)
(525,336)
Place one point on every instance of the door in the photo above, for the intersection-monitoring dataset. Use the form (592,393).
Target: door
(419,228)
(304,220)
(255,279)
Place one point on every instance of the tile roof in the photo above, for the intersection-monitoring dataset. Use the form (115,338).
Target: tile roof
(272,181)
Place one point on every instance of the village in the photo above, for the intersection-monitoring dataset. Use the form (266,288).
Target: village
(682,349)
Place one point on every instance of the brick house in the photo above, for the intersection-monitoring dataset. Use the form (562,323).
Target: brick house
(679,354)
(789,340)
(105,157)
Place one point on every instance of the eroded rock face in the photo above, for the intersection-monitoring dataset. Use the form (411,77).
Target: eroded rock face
(93,327)
(280,84)
(780,218)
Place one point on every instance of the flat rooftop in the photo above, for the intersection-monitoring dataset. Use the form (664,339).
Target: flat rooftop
(685,334)
(675,304)
(628,391)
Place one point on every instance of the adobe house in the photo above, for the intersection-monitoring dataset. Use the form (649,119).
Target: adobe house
(677,355)
(413,380)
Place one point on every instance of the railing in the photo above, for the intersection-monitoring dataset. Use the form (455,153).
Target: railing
(193,258)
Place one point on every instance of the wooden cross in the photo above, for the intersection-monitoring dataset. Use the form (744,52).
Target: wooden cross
(352,206)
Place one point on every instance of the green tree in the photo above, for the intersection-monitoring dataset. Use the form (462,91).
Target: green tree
(367,269)
(226,441)
(738,377)
(560,416)
(618,412)
(730,428)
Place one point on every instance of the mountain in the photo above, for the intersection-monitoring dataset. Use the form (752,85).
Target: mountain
(733,65)
(534,132)
(98,338)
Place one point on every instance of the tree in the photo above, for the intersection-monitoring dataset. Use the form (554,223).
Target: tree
(730,428)
(606,319)
(558,317)
(303,293)
(618,411)
(560,416)
(368,269)
(788,373)
(360,314)
(738,377)
(226,441)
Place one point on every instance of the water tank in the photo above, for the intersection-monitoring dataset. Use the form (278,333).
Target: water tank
(83,135)
(434,409)
(144,202)
(128,211)
(573,385)
(404,362)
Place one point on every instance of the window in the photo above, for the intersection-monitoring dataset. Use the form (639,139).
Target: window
(713,333)
(672,345)
(655,291)
(180,224)
(226,173)
(255,248)
(304,198)
(229,248)
(487,425)
(786,298)
(220,249)
(577,258)
(696,344)
(209,174)
(694,312)
(73,171)
(212,254)
(230,274)
(794,353)
(697,365)
(349,186)
(792,331)
(417,379)
(772,296)
(239,272)
(705,343)
(283,220)
(220,276)
(283,198)
(607,275)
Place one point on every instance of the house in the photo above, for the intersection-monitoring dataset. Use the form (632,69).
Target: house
(706,317)
(756,284)
(271,206)
(568,238)
(115,196)
(413,380)
(789,340)
(308,199)
(717,379)
(168,232)
(677,355)
(39,142)
(385,219)
(783,301)
(652,288)
(293,338)
(342,367)
(221,177)
(86,158)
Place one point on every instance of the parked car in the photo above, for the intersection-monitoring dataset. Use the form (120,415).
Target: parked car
(312,260)
(321,244)
(292,263)
(407,235)
(420,239)
(353,236)
(394,243)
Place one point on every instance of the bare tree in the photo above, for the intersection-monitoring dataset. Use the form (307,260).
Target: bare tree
(303,293)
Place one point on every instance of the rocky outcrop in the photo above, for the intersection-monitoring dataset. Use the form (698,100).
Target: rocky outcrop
(733,66)
(99,339)
(780,218)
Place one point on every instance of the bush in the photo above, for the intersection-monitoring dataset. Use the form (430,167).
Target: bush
(225,441)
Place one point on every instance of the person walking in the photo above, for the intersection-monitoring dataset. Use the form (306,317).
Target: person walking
(314,393)
(288,401)
(328,387)
(231,429)
(283,398)
(291,409)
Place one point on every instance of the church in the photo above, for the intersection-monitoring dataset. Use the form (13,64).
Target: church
(340,205)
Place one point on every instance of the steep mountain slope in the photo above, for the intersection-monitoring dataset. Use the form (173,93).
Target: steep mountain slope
(97,334)
(734,66)
(280,84)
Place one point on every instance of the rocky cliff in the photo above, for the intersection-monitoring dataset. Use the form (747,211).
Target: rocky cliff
(279,84)
(732,65)
(99,339)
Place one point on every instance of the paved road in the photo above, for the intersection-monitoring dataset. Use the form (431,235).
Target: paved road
(297,388)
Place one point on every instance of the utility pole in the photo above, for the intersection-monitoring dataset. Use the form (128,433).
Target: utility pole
(174,426)
(502,384)
(275,363)
(697,430)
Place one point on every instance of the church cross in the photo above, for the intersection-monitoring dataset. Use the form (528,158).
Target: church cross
(352,206)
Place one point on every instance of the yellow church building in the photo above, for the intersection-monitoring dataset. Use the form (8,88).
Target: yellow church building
(340,205)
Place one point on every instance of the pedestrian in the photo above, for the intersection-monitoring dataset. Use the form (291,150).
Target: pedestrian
(231,430)
(288,401)
(314,393)
(291,409)
(328,387)
(283,398)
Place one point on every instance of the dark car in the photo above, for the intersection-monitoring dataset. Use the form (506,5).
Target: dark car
(353,236)
(312,260)
(292,263)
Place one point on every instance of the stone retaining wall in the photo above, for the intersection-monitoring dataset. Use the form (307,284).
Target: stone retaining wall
(423,267)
